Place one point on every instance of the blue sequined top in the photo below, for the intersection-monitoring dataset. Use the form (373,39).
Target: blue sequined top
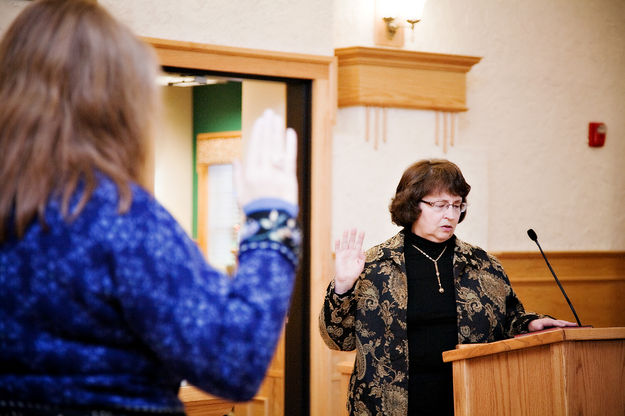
(113,311)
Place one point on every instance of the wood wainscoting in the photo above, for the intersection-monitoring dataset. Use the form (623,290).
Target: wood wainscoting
(593,281)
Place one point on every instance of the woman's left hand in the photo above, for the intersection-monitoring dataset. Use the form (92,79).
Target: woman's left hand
(544,323)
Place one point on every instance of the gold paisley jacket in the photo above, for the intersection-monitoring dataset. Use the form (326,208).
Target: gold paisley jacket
(371,318)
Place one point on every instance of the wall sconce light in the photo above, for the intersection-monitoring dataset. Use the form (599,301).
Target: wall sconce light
(389,16)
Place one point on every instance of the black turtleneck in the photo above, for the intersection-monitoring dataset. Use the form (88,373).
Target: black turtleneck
(432,325)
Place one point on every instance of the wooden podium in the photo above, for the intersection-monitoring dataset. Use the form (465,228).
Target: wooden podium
(573,371)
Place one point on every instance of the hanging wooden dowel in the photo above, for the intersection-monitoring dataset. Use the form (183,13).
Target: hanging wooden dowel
(452,129)
(376,130)
(436,130)
(366,123)
(384,125)
(445,132)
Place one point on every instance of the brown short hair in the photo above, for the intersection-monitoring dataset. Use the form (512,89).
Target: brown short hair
(421,179)
(77,96)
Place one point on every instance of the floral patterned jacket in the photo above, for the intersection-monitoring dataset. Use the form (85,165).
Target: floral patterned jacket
(372,317)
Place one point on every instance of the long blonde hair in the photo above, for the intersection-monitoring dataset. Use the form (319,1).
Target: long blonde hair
(77,97)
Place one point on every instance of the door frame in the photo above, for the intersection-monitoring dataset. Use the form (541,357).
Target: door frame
(322,74)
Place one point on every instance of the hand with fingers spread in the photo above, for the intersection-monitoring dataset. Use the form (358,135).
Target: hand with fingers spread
(268,168)
(349,261)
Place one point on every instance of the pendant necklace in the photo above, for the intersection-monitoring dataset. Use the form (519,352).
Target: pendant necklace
(438,275)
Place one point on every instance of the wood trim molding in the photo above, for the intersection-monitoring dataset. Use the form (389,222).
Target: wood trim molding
(593,281)
(235,134)
(202,207)
(384,77)
(322,70)
(218,147)
(240,60)
(321,264)
(549,336)
(399,58)
(573,266)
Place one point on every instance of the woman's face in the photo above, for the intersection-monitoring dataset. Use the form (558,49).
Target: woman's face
(434,224)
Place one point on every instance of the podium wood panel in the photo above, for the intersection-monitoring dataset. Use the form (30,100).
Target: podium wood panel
(558,372)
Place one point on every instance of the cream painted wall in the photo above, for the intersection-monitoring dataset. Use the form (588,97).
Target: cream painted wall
(548,68)
(8,10)
(283,25)
(257,96)
(173,155)
(365,179)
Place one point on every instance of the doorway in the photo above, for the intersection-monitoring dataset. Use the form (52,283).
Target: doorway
(293,357)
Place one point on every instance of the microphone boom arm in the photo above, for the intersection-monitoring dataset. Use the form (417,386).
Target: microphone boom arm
(558,282)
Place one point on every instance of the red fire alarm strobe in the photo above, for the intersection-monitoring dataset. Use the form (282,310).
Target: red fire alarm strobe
(596,134)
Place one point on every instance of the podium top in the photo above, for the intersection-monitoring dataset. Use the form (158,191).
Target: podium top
(549,336)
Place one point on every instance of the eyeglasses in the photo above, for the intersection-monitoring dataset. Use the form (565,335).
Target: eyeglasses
(442,206)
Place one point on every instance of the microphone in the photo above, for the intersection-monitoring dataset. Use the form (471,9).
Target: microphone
(532,235)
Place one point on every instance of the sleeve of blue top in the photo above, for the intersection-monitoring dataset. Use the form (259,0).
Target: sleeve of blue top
(218,332)
(268,204)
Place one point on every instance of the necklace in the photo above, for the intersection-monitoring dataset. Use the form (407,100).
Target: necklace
(438,275)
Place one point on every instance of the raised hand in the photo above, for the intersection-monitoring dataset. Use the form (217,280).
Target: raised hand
(349,260)
(268,168)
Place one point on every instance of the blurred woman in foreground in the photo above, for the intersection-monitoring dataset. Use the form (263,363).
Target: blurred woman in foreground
(106,304)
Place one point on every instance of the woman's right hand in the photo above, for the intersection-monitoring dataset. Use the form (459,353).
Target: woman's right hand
(349,260)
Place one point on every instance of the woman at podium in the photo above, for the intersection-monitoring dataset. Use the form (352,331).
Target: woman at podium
(412,297)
